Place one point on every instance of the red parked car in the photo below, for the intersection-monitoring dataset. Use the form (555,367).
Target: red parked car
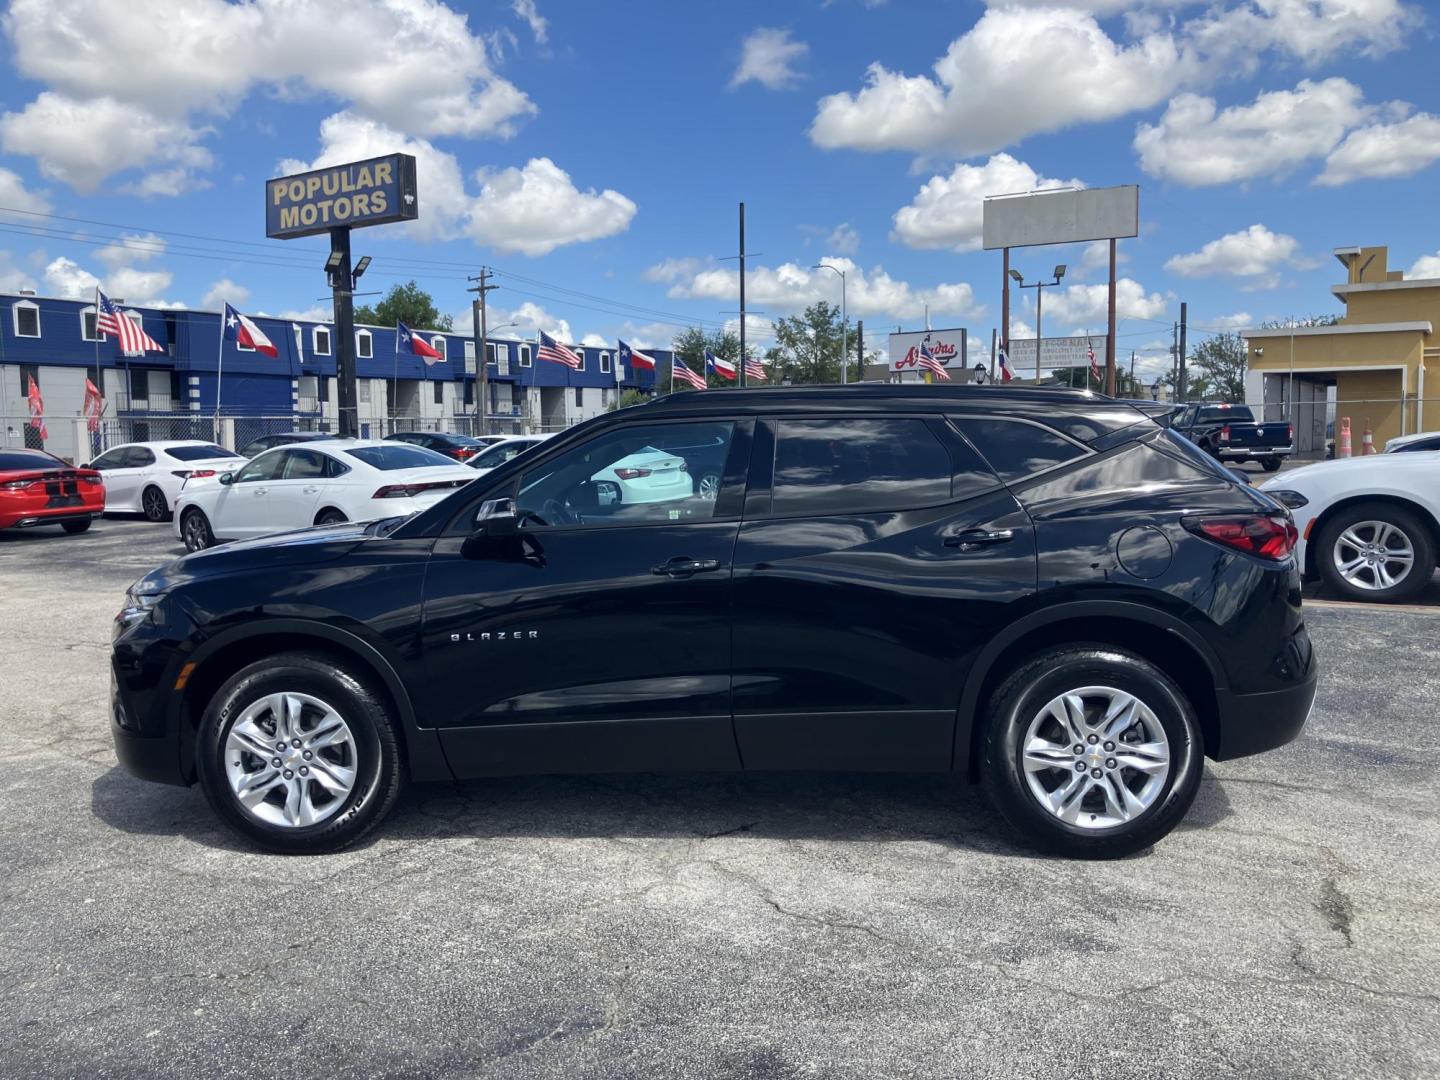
(37,488)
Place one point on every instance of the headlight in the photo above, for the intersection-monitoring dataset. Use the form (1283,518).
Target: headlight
(1293,499)
(136,610)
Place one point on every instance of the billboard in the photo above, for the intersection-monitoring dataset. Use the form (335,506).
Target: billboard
(376,191)
(947,346)
(1062,216)
(1062,352)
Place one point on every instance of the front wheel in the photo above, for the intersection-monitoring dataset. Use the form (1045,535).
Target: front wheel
(153,504)
(195,530)
(299,754)
(1091,752)
(1376,551)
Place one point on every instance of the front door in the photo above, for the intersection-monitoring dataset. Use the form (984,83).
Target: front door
(243,508)
(597,637)
(124,469)
(876,557)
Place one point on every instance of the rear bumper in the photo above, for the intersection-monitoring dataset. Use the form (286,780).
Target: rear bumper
(1254,723)
(1249,453)
(46,517)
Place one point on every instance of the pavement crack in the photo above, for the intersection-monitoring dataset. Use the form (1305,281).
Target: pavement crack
(1338,909)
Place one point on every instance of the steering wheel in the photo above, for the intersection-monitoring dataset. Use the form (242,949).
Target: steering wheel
(557,513)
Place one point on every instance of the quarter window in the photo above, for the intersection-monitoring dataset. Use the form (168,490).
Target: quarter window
(1015,449)
(858,466)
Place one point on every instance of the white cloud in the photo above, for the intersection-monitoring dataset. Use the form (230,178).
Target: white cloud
(536,209)
(1307,30)
(227,291)
(15,195)
(165,183)
(1195,145)
(843,240)
(12,277)
(1016,72)
(410,64)
(132,248)
(316,313)
(1078,308)
(527,317)
(65,277)
(768,56)
(142,288)
(1384,151)
(947,211)
(80,142)
(1238,321)
(595,341)
(530,14)
(791,287)
(1427,266)
(671,270)
(1255,253)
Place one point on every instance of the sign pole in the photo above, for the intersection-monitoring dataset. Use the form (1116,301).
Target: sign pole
(1110,340)
(219,369)
(341,286)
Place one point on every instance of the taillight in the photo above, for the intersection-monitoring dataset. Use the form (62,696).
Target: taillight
(17,485)
(1225,433)
(193,474)
(396,491)
(464,452)
(631,474)
(1268,536)
(1290,433)
(94,479)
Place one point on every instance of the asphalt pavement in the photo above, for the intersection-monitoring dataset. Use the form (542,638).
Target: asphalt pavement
(765,926)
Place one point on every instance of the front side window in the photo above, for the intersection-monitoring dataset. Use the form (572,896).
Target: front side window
(364,344)
(618,478)
(439,392)
(1016,449)
(439,344)
(268,466)
(111,459)
(501,453)
(858,465)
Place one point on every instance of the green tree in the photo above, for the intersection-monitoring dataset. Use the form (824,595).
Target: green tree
(1216,368)
(807,346)
(690,345)
(628,398)
(406,303)
(1298,321)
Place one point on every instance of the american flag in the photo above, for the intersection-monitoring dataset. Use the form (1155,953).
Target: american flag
(128,333)
(1090,351)
(930,364)
(754,369)
(678,370)
(552,350)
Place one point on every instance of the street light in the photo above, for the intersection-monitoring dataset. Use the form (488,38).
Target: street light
(844,324)
(360,268)
(1039,287)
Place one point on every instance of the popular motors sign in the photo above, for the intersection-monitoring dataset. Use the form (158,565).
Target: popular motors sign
(947,346)
(373,192)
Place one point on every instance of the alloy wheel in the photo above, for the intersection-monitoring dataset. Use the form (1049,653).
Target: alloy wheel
(194,532)
(1096,757)
(153,503)
(1373,555)
(291,760)
(708,487)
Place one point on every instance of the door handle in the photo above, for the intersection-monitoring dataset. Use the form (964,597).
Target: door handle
(309,490)
(976,539)
(261,491)
(684,566)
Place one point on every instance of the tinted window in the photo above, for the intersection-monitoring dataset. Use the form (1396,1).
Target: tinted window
(265,467)
(851,466)
(252,448)
(304,465)
(1234,414)
(1179,445)
(27,459)
(1016,449)
(399,456)
(197,453)
(111,459)
(1418,445)
(137,457)
(619,478)
(498,455)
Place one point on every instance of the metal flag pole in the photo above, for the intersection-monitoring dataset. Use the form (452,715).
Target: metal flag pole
(98,438)
(219,368)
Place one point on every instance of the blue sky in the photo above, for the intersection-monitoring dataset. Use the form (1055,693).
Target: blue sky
(594,154)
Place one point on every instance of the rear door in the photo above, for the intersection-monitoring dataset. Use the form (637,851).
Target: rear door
(877,555)
(291,500)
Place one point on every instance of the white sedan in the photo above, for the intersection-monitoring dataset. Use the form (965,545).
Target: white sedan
(315,483)
(502,450)
(1369,526)
(146,477)
(647,476)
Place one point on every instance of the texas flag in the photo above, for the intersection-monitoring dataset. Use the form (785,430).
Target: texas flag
(724,368)
(633,358)
(1005,373)
(407,341)
(246,334)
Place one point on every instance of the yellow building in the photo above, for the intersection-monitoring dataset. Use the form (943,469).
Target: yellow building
(1372,366)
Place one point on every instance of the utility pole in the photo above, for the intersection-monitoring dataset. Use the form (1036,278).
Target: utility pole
(480,332)
(1132,371)
(859,350)
(1180,382)
(743,378)
(342,288)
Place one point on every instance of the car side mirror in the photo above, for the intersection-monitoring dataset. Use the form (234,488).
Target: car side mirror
(227,478)
(496,517)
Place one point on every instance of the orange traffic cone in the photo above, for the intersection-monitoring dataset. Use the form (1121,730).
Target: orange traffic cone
(1345,448)
(1367,442)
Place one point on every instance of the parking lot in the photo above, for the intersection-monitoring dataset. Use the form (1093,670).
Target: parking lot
(766,925)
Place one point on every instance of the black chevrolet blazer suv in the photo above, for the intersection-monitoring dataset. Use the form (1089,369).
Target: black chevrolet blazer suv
(1043,590)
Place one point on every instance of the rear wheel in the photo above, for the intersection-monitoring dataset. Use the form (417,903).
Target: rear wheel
(1270,464)
(75,526)
(330,516)
(1376,551)
(153,504)
(195,530)
(299,754)
(1091,751)
(707,485)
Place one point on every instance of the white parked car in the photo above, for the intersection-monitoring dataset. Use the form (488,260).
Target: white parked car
(648,476)
(147,477)
(501,451)
(1369,526)
(315,483)
(1409,444)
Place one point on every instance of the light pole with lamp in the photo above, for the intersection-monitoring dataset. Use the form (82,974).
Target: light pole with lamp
(1039,287)
(844,324)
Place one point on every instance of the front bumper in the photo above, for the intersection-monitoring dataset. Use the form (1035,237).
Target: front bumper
(1254,723)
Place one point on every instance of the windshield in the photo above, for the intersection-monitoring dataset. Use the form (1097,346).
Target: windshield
(498,455)
(1235,414)
(398,456)
(198,453)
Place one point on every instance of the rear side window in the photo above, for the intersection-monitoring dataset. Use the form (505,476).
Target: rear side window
(398,456)
(137,457)
(197,453)
(1015,449)
(857,466)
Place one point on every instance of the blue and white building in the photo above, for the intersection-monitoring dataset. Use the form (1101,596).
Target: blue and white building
(54,341)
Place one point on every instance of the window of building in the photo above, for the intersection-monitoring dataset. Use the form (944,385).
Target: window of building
(364,344)
(320,340)
(1016,449)
(579,397)
(469,392)
(469,356)
(858,466)
(439,392)
(605,363)
(580,352)
(139,386)
(362,390)
(299,340)
(27,319)
(490,352)
(604,396)
(438,343)
(524,355)
(322,384)
(89,325)
(502,359)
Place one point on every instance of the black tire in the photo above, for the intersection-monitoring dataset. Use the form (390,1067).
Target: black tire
(1022,697)
(75,526)
(153,504)
(1270,464)
(195,530)
(330,516)
(375,747)
(1406,522)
